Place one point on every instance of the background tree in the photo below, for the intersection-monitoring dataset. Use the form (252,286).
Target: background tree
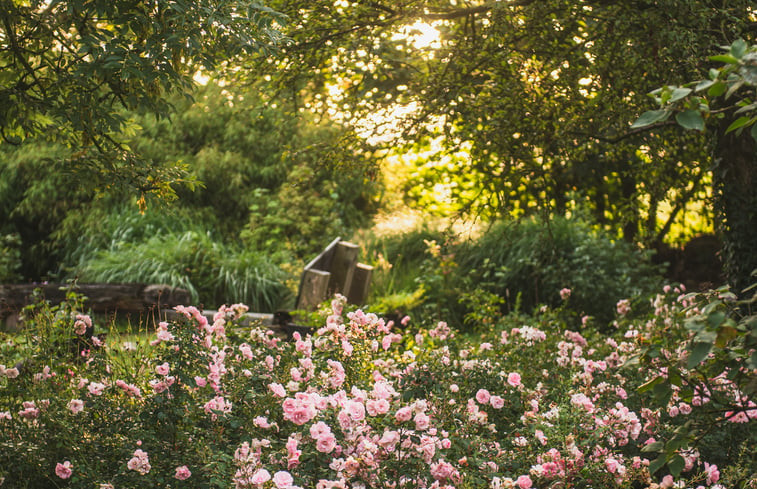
(712,103)
(538,93)
(69,68)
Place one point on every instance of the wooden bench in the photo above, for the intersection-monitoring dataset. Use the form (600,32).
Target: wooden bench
(334,271)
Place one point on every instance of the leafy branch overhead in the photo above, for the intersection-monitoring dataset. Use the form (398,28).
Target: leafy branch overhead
(71,67)
(695,102)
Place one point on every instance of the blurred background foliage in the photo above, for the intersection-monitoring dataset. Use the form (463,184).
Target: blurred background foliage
(478,154)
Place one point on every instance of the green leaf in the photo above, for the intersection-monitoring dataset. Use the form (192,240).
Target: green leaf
(703,85)
(733,88)
(717,89)
(690,119)
(725,335)
(753,132)
(747,107)
(679,93)
(657,464)
(739,48)
(648,385)
(725,58)
(715,319)
(653,447)
(650,117)
(698,353)
(676,465)
(662,393)
(740,122)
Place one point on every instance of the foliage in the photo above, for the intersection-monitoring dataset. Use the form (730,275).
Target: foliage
(396,259)
(248,155)
(724,102)
(531,261)
(10,257)
(71,67)
(507,108)
(211,271)
(691,102)
(531,404)
(314,206)
(36,194)
(710,362)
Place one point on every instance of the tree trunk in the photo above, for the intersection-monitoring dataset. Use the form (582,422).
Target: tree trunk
(735,186)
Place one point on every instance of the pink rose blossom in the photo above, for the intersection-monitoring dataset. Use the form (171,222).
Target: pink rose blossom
(713,474)
(261,422)
(497,402)
(162,369)
(76,405)
(182,473)
(564,293)
(96,388)
(355,409)
(513,378)
(483,396)
(283,479)
(623,307)
(524,482)
(320,430)
(260,477)
(64,470)
(326,443)
(139,462)
(422,421)
(403,414)
(377,407)
(81,324)
(389,440)
(277,389)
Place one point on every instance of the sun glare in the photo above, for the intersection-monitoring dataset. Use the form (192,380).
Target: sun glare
(421,35)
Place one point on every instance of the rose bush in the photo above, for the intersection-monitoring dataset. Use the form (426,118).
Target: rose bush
(532,403)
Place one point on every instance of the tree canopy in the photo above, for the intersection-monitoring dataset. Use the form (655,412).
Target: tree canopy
(70,68)
(539,95)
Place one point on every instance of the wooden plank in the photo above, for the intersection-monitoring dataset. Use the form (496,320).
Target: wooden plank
(343,267)
(361,284)
(321,262)
(314,289)
(324,259)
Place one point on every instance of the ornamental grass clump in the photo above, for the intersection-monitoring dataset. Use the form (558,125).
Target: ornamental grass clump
(533,403)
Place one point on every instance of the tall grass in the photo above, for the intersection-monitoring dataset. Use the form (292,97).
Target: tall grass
(213,272)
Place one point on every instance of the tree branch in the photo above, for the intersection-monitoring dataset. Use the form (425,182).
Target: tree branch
(450,14)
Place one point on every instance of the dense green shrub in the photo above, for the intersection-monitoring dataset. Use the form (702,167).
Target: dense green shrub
(36,194)
(264,173)
(10,257)
(532,260)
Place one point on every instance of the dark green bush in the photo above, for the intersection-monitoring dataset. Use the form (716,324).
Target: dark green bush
(10,257)
(531,261)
